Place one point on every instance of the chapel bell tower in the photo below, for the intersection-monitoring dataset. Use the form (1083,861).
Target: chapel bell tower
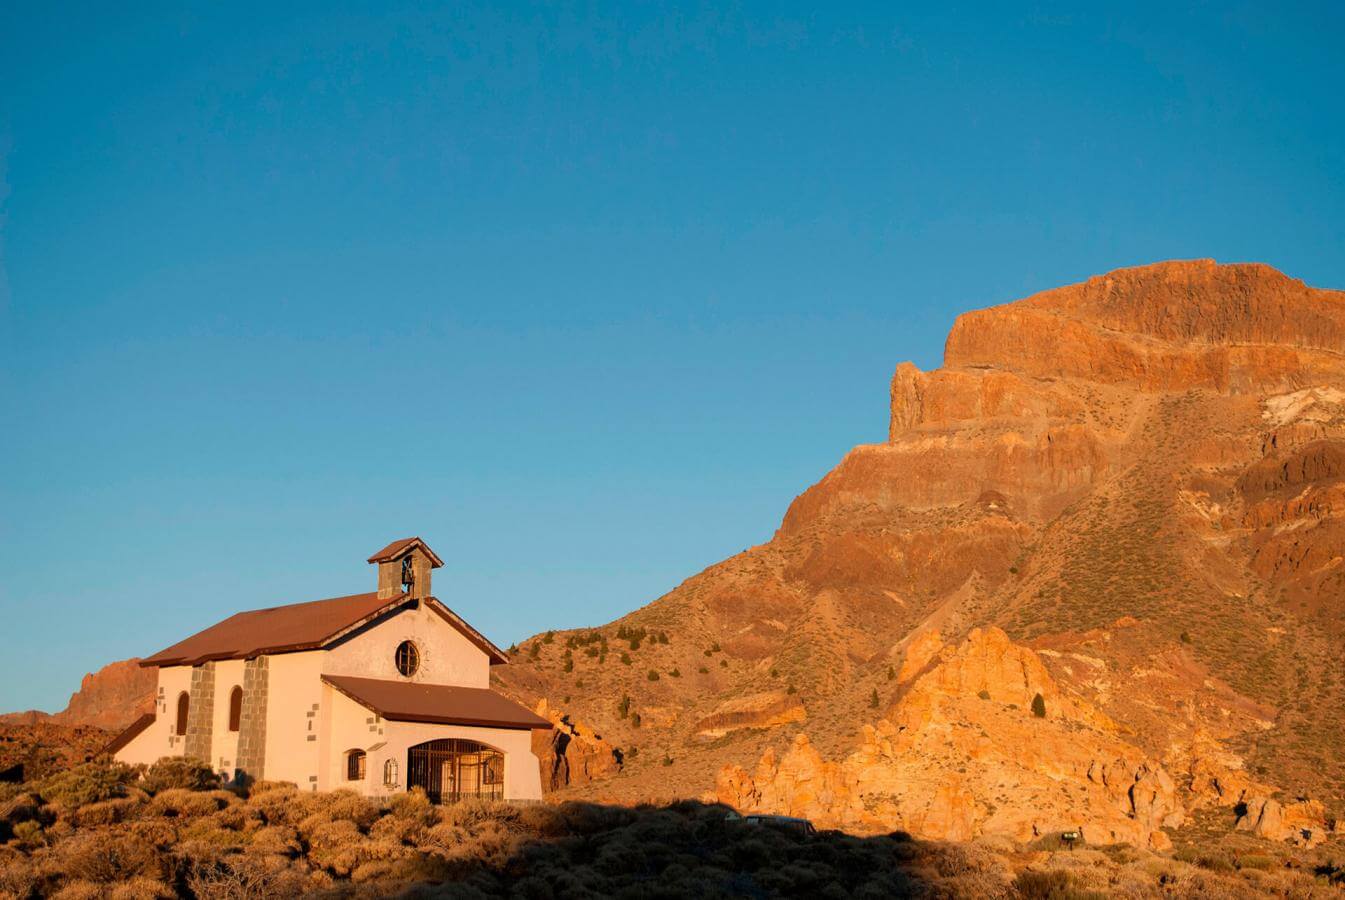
(404,567)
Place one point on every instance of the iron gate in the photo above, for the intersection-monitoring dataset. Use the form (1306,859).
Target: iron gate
(455,769)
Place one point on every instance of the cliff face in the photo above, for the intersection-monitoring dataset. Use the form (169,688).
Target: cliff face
(1129,491)
(110,698)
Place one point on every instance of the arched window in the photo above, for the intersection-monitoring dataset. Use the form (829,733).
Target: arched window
(235,708)
(355,765)
(408,658)
(390,773)
(183,707)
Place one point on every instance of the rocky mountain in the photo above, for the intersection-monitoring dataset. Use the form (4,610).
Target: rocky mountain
(110,698)
(1094,578)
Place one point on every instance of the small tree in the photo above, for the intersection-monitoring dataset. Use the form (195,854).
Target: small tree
(535,649)
(548,637)
(891,673)
(569,662)
(635,719)
(873,699)
(623,708)
(1039,706)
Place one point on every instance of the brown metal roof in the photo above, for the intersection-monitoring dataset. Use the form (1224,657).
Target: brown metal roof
(132,731)
(279,629)
(301,626)
(397,548)
(406,701)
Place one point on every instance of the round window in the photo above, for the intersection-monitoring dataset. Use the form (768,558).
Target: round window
(408,658)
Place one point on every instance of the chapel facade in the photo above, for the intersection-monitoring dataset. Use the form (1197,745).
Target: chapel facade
(378,692)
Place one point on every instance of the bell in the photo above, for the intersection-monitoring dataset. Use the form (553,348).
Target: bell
(408,573)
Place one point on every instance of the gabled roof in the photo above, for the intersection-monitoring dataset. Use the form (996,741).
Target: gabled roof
(398,548)
(131,733)
(300,626)
(406,701)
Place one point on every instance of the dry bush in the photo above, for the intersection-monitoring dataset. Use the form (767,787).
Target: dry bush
(281,840)
(238,817)
(185,803)
(142,889)
(18,875)
(30,833)
(105,855)
(179,772)
(398,829)
(207,834)
(87,783)
(106,812)
(246,877)
(79,890)
(413,805)
(349,806)
(278,803)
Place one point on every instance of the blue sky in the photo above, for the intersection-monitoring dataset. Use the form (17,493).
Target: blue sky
(584,296)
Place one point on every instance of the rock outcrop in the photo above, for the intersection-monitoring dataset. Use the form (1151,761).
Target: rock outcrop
(571,753)
(962,753)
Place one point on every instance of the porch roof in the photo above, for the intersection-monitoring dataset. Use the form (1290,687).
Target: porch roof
(406,701)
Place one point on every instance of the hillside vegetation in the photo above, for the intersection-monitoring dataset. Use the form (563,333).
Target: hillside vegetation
(105,830)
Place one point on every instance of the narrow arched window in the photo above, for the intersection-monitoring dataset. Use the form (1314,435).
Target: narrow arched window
(390,773)
(355,765)
(235,708)
(408,658)
(183,707)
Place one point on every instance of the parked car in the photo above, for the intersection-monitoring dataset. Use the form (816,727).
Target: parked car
(784,823)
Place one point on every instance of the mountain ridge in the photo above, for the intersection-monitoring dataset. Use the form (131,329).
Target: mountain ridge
(1140,471)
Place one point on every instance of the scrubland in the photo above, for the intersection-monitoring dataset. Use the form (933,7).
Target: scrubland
(106,830)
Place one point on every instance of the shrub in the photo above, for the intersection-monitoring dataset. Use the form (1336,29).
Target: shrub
(623,706)
(791,689)
(704,671)
(106,812)
(180,802)
(1039,706)
(652,676)
(29,832)
(179,772)
(414,805)
(873,699)
(1053,885)
(106,856)
(88,783)
(569,662)
(625,658)
(141,888)
(676,673)
(983,694)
